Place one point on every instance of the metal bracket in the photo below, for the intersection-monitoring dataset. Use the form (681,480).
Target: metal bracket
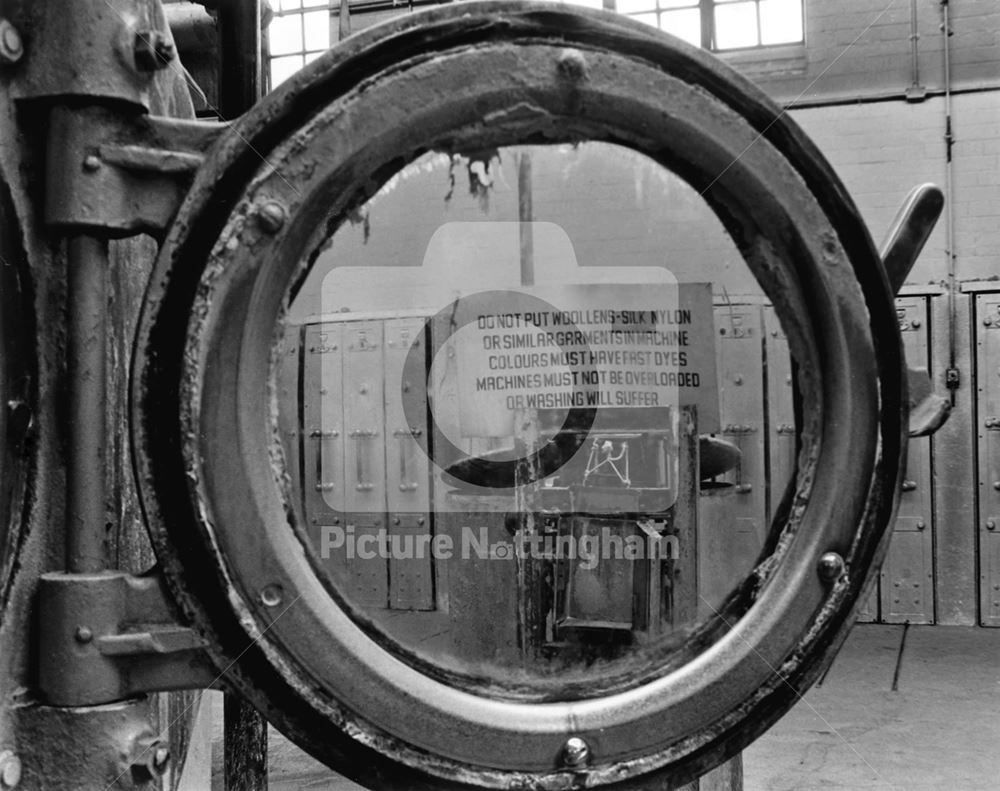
(120,173)
(112,635)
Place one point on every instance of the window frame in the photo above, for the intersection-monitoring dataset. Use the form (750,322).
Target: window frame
(706,9)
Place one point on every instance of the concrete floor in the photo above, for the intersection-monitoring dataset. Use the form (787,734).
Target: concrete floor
(901,708)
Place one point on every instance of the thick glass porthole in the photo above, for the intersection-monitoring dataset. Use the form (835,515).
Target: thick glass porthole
(438,404)
(499,390)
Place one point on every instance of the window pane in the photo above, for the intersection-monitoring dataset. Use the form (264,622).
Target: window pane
(685,24)
(736,25)
(677,4)
(586,3)
(315,3)
(283,68)
(635,6)
(288,5)
(780,21)
(285,34)
(317,27)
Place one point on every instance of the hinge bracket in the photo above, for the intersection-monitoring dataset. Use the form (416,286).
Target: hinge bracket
(108,636)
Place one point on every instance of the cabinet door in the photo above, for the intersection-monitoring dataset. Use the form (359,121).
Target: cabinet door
(987,327)
(907,576)
(780,411)
(411,583)
(364,458)
(741,392)
(322,424)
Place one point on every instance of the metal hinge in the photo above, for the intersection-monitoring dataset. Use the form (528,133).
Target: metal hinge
(108,636)
(118,173)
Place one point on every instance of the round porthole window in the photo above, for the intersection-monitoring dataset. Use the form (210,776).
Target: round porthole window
(518,402)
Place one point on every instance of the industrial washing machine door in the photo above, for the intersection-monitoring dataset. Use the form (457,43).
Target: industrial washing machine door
(448,359)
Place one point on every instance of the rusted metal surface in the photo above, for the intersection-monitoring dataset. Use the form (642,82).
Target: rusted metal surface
(119,175)
(17,390)
(78,53)
(88,48)
(454,79)
(131,754)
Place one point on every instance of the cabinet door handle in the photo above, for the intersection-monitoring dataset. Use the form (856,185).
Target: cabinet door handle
(322,437)
(362,457)
(402,434)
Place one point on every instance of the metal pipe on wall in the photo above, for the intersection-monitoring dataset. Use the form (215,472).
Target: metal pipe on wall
(952,374)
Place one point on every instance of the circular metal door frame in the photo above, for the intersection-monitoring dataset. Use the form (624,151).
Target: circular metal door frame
(474,76)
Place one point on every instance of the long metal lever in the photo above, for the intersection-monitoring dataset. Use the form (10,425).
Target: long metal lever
(907,236)
(909,232)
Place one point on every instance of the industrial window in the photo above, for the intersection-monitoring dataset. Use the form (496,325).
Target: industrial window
(301,30)
(722,24)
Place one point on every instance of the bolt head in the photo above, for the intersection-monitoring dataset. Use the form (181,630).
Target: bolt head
(576,752)
(153,50)
(830,566)
(83,634)
(271,216)
(91,162)
(572,65)
(11,46)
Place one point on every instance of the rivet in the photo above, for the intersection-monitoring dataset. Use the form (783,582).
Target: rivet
(271,216)
(572,65)
(576,752)
(10,770)
(91,162)
(83,634)
(737,380)
(271,595)
(11,46)
(991,524)
(831,566)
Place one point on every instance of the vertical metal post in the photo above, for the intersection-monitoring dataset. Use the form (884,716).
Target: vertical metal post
(240,70)
(245,739)
(87,259)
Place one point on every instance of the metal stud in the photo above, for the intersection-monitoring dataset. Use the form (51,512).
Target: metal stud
(830,566)
(576,752)
(271,216)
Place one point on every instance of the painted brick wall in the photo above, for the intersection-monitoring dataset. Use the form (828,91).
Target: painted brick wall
(862,48)
(881,150)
